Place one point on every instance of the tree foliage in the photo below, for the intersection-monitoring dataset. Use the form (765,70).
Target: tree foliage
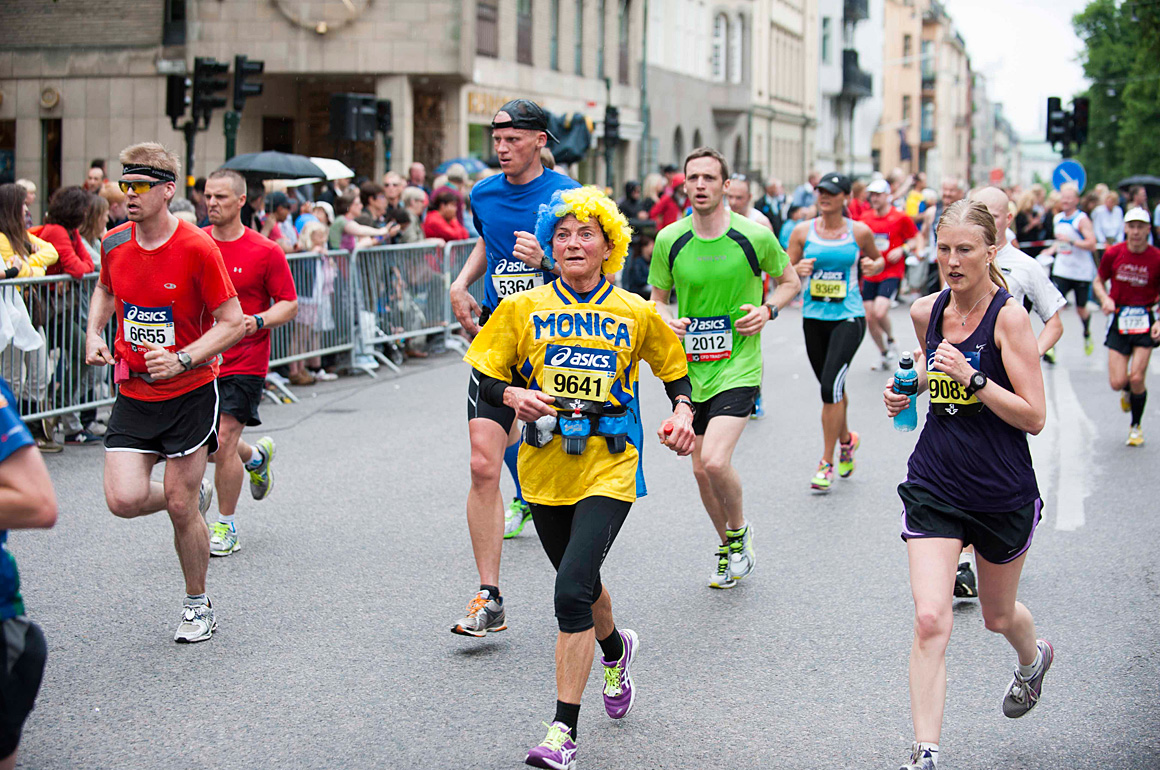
(1121,50)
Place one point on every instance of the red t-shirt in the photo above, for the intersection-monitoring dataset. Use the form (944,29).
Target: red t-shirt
(165,295)
(74,257)
(259,271)
(859,208)
(1135,277)
(435,226)
(890,232)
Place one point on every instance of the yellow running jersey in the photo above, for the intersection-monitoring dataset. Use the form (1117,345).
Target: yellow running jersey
(579,346)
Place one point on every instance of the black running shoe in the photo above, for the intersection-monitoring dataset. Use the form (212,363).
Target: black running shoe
(965,582)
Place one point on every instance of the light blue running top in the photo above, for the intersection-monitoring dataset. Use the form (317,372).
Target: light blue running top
(832,292)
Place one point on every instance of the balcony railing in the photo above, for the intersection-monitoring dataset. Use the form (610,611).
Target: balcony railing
(856,10)
(855,83)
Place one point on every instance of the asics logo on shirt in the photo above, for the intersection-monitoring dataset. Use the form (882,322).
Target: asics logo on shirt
(581,324)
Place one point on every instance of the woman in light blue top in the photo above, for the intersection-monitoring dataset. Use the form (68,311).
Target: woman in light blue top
(827,252)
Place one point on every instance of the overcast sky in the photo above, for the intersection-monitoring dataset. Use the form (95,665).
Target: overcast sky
(1028,51)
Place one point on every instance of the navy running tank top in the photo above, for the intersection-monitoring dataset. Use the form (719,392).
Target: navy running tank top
(966,454)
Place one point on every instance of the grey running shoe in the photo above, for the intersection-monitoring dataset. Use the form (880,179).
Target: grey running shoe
(197,623)
(920,759)
(223,539)
(742,557)
(262,478)
(484,615)
(204,496)
(1023,694)
(722,578)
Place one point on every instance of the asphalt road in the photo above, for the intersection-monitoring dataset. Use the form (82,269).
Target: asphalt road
(333,648)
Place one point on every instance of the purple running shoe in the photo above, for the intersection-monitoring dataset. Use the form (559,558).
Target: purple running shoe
(557,752)
(619,693)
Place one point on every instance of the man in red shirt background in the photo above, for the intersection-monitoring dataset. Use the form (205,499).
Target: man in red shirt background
(167,283)
(894,233)
(1133,267)
(259,271)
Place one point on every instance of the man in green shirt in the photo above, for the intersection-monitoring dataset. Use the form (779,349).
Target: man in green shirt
(714,259)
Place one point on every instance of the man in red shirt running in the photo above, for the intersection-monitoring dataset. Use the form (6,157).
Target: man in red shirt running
(259,271)
(1133,267)
(894,234)
(167,284)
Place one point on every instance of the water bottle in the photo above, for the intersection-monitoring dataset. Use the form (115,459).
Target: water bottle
(906,383)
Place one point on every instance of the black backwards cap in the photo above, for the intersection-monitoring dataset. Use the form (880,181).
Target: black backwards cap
(157,173)
(524,113)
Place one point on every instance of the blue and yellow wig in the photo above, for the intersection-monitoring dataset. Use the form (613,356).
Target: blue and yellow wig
(585,202)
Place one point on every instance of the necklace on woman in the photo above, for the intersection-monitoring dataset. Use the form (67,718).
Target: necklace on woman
(965,317)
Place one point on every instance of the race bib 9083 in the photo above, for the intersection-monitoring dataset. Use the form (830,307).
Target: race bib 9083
(149,324)
(947,397)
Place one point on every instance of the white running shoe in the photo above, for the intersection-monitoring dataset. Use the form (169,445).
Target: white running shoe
(197,623)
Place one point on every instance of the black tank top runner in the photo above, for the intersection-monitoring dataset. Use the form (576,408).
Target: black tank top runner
(966,454)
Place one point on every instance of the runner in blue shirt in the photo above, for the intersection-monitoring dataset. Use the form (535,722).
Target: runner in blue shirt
(509,259)
(29,503)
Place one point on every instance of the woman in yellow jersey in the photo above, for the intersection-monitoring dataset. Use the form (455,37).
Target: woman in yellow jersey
(578,342)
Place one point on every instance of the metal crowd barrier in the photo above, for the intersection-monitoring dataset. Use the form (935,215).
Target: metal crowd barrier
(43,357)
(402,295)
(347,303)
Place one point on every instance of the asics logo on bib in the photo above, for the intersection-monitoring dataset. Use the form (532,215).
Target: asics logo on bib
(582,324)
(147,315)
(579,358)
(702,325)
(502,267)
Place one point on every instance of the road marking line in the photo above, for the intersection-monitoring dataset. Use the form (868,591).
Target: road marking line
(1071,432)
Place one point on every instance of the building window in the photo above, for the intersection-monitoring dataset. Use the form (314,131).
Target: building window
(736,40)
(827,43)
(738,156)
(720,35)
(487,28)
(927,63)
(554,36)
(906,107)
(678,147)
(927,121)
(579,38)
(697,138)
(7,151)
(907,49)
(622,57)
(600,8)
(173,28)
(524,31)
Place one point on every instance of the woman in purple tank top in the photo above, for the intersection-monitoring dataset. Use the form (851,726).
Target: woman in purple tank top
(970,480)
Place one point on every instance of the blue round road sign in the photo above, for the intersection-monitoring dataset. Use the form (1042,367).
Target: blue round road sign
(1069,171)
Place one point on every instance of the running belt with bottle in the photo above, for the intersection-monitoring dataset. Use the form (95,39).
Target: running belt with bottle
(1072,262)
(832,292)
(966,454)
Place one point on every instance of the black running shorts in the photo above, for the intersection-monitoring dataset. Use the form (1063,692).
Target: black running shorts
(241,394)
(20,674)
(997,537)
(478,408)
(735,402)
(1124,344)
(887,287)
(1082,290)
(830,346)
(173,428)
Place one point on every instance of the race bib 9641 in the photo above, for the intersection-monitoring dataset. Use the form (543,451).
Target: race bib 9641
(575,372)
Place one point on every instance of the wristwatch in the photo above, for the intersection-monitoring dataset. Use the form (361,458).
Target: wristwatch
(184,359)
(772,310)
(259,321)
(978,382)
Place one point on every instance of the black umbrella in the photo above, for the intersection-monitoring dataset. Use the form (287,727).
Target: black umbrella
(274,165)
(1150,183)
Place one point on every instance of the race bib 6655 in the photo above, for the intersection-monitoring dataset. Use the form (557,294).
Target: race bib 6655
(149,324)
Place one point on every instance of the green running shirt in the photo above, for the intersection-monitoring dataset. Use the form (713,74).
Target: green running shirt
(713,280)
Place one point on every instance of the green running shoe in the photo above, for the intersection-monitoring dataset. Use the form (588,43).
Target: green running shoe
(223,539)
(722,577)
(262,478)
(846,455)
(515,517)
(823,477)
(1088,345)
(742,557)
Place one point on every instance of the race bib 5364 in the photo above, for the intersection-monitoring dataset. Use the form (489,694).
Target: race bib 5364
(149,324)
(575,372)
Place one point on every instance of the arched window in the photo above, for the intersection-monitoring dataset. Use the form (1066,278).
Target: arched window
(678,146)
(738,156)
(697,139)
(720,39)
(736,41)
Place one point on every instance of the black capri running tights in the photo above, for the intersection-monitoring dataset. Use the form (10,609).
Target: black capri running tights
(831,346)
(576,539)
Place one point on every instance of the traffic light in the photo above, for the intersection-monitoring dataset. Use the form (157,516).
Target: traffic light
(1056,121)
(244,85)
(611,125)
(383,115)
(208,82)
(1079,125)
(176,97)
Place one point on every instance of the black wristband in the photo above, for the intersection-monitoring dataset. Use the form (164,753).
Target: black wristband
(11,273)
